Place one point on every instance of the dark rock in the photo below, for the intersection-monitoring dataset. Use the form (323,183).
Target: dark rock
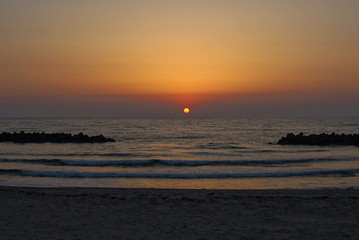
(321,139)
(35,137)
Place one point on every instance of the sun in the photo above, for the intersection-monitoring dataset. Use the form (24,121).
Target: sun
(186,110)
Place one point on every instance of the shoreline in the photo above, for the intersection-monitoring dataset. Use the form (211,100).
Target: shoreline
(131,213)
(318,189)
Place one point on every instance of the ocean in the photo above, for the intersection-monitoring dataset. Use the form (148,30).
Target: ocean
(183,153)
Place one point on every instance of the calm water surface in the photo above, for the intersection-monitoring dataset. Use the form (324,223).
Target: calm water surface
(181,153)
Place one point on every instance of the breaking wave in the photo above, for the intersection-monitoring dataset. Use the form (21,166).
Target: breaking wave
(172,163)
(74,174)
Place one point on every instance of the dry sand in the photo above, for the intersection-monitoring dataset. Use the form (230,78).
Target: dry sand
(90,213)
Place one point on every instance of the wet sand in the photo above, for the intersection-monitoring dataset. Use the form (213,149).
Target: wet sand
(93,213)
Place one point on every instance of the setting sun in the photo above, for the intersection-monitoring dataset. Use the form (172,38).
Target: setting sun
(186,110)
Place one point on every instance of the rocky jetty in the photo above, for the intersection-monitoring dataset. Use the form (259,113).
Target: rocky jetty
(321,139)
(37,137)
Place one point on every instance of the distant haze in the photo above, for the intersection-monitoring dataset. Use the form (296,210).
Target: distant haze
(152,58)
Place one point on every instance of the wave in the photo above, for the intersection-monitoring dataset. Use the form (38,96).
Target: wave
(81,154)
(73,174)
(209,146)
(149,138)
(219,146)
(291,151)
(171,163)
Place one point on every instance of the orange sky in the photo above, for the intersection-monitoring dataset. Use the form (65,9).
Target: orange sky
(187,51)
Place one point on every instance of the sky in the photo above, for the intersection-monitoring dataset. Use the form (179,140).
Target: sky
(152,58)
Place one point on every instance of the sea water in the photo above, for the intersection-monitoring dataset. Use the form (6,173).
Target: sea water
(181,153)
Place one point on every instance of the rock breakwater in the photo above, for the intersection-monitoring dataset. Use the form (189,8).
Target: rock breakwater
(37,137)
(323,139)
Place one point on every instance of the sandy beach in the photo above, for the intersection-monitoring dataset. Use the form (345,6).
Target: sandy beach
(90,213)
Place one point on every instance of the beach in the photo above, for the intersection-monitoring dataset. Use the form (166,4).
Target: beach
(102,213)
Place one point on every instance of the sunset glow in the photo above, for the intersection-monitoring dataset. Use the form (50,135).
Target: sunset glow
(187,52)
